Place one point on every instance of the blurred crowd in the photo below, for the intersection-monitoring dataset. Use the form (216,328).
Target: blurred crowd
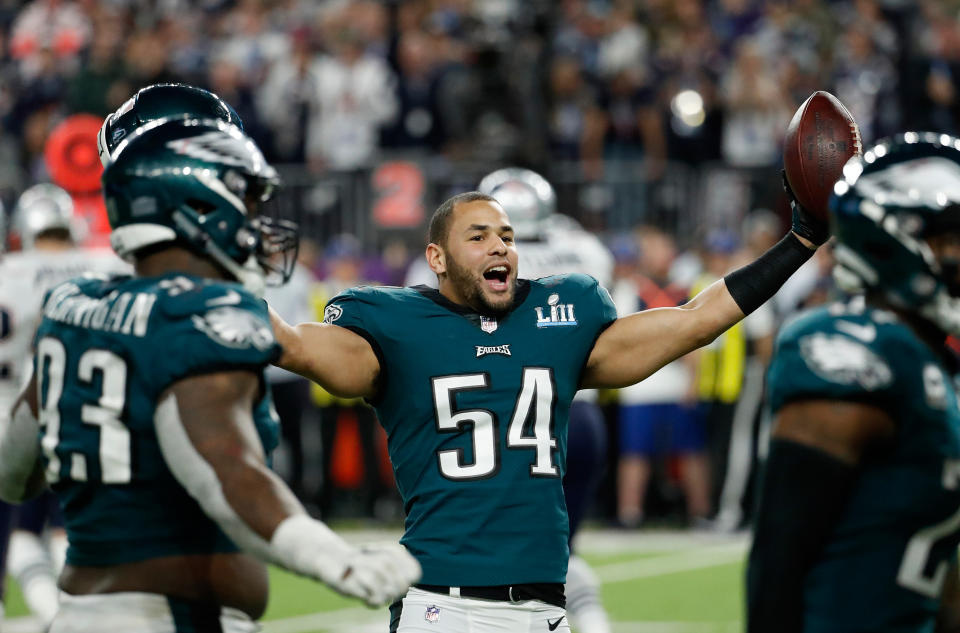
(612,100)
(613,89)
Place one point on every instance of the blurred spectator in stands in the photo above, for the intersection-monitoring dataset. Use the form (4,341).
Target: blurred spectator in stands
(930,86)
(580,26)
(355,98)
(191,45)
(688,60)
(49,27)
(625,44)
(419,123)
(99,86)
(734,19)
(865,80)
(230,82)
(576,122)
(756,114)
(250,41)
(288,96)
(634,147)
(657,417)
(146,56)
(37,101)
(756,110)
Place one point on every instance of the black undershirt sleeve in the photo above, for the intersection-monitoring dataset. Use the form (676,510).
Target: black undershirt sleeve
(751,285)
(803,495)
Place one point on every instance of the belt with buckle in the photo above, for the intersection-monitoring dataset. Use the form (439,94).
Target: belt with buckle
(549,592)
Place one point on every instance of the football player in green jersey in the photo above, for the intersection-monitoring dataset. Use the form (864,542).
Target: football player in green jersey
(473,383)
(859,517)
(147,412)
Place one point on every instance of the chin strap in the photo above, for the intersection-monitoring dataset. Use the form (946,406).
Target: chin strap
(250,274)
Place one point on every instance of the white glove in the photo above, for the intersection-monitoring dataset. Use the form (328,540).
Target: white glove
(378,574)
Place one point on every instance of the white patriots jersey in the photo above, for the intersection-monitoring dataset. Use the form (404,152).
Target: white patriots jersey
(24,279)
(566,248)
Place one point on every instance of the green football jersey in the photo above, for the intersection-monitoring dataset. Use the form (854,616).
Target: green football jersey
(476,412)
(106,349)
(884,566)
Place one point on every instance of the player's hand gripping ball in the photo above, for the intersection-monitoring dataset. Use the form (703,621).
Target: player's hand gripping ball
(820,139)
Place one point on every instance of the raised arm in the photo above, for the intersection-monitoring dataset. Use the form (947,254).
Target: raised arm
(206,433)
(337,359)
(635,346)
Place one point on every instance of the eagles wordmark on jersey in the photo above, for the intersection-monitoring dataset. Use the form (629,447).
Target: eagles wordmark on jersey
(476,413)
(885,563)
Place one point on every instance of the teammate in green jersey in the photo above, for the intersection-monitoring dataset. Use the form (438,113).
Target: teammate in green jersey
(473,384)
(155,426)
(859,517)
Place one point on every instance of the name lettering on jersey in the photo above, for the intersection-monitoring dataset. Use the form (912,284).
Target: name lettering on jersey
(123,312)
(483,350)
(556,314)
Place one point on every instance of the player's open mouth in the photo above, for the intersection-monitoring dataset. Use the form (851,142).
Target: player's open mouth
(496,277)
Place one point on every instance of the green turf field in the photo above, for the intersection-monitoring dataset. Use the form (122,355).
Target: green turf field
(653,582)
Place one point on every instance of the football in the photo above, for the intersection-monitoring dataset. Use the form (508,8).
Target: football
(821,138)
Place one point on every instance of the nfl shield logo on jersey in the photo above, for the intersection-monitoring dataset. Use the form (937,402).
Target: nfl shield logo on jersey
(432,614)
(488,325)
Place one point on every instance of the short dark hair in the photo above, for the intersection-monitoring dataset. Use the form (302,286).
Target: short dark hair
(440,222)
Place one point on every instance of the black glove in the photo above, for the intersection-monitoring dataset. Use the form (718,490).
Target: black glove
(804,223)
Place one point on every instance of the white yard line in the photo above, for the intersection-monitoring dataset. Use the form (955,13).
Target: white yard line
(687,560)
(601,541)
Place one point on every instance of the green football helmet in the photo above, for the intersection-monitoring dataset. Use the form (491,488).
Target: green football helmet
(198,183)
(157,102)
(889,201)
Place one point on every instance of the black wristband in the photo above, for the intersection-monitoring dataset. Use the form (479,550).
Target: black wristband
(804,492)
(751,285)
